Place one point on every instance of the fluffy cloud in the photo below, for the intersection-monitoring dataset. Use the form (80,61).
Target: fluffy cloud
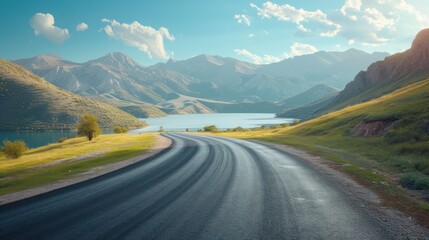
(43,25)
(300,17)
(145,38)
(242,18)
(365,22)
(351,5)
(256,58)
(297,49)
(376,22)
(81,27)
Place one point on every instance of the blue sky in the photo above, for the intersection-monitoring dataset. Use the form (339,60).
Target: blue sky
(255,31)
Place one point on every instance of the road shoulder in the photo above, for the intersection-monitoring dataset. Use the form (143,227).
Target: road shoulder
(160,144)
(369,201)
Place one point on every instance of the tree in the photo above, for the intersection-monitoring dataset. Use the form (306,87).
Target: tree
(14,149)
(88,126)
(120,129)
(211,128)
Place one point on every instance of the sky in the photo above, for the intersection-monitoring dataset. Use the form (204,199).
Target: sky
(153,31)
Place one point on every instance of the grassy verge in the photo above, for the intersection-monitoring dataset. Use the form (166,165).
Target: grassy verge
(382,162)
(58,161)
(366,160)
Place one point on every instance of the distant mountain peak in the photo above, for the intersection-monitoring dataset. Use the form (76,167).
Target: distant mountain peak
(171,60)
(117,60)
(42,61)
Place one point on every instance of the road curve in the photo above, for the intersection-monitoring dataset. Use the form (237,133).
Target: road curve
(200,188)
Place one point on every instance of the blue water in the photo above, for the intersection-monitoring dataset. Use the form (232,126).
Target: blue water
(170,123)
(36,138)
(222,120)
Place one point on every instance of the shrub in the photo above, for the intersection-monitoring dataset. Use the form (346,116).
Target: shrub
(120,129)
(415,181)
(211,128)
(14,149)
(88,126)
(295,122)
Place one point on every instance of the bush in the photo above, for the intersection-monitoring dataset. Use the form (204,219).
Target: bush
(88,126)
(211,128)
(295,122)
(14,149)
(120,129)
(415,181)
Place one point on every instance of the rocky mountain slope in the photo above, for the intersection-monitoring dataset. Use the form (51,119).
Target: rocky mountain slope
(383,77)
(117,79)
(30,102)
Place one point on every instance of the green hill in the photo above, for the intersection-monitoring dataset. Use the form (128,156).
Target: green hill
(390,134)
(30,102)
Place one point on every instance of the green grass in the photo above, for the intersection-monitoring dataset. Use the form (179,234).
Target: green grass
(381,163)
(36,168)
(404,150)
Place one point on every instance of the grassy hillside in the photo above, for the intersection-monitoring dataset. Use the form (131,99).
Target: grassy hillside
(30,102)
(404,150)
(57,161)
(381,161)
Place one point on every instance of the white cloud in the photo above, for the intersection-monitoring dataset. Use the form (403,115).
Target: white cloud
(351,5)
(145,38)
(43,24)
(251,35)
(377,22)
(300,17)
(256,58)
(377,19)
(242,18)
(81,27)
(297,49)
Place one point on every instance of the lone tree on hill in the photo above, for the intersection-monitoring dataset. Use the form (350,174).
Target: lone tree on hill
(88,126)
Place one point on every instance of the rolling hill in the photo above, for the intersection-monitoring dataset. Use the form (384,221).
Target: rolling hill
(30,102)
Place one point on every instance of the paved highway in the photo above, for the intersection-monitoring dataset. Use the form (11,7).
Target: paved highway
(200,188)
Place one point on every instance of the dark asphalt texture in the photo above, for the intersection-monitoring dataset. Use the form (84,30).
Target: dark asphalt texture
(199,188)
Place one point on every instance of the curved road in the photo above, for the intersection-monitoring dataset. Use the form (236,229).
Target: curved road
(200,188)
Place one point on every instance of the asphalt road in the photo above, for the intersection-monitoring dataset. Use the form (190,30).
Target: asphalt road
(200,188)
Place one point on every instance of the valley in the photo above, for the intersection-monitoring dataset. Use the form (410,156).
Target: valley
(214,120)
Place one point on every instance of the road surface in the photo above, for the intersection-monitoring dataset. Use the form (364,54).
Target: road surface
(200,188)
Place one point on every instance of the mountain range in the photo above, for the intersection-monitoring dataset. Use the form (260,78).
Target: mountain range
(148,91)
(29,102)
(381,78)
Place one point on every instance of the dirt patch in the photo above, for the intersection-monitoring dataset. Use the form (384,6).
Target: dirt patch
(372,129)
(403,227)
(160,144)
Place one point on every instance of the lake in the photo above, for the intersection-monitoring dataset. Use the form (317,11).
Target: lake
(221,120)
(170,123)
(39,138)
(36,138)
